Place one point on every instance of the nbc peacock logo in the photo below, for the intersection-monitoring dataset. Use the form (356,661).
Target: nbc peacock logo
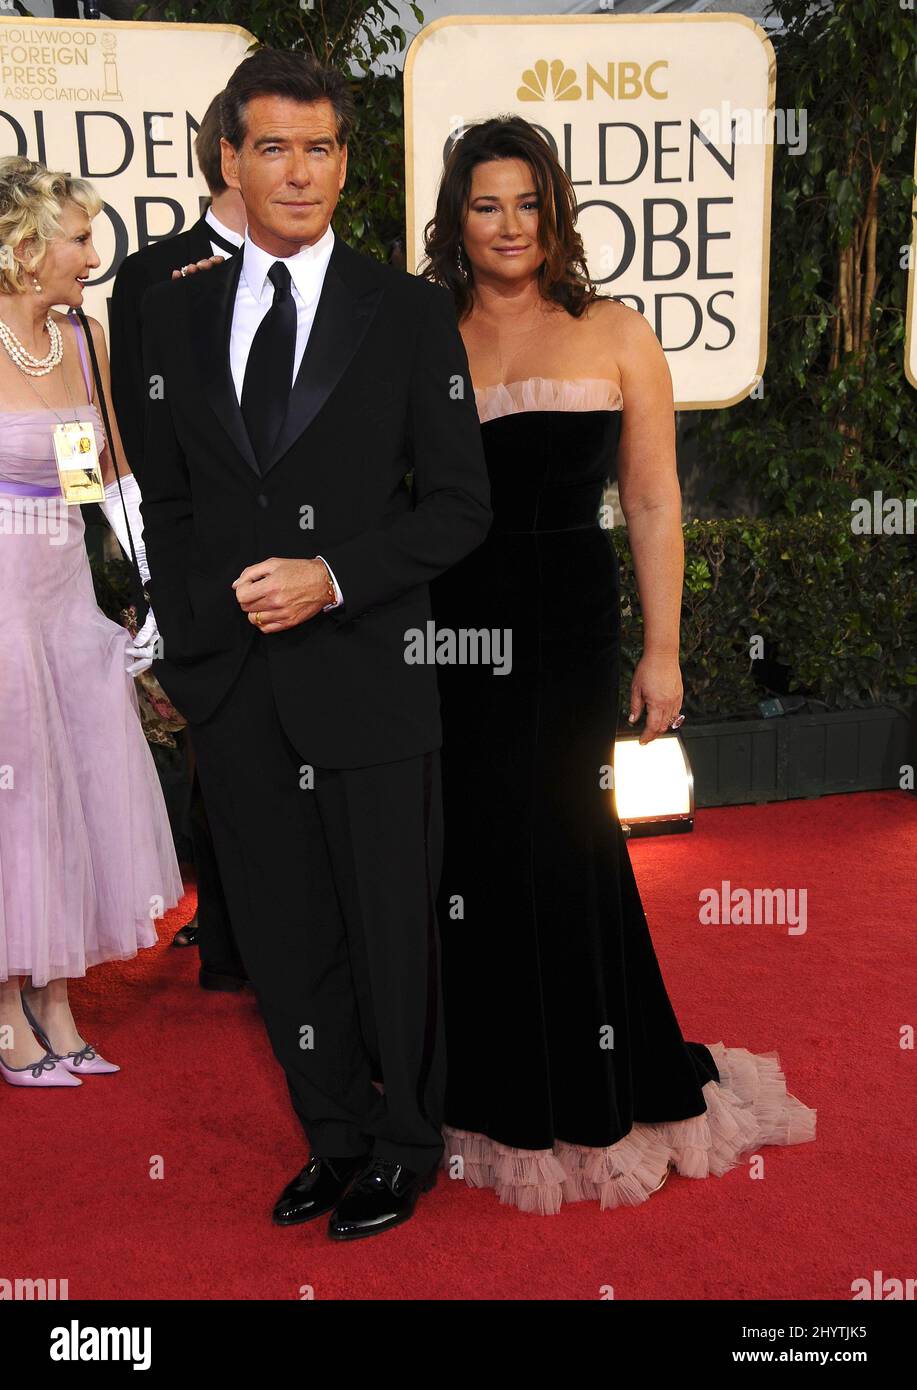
(535,82)
(621,80)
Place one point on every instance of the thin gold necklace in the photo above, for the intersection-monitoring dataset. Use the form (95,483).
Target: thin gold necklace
(522,338)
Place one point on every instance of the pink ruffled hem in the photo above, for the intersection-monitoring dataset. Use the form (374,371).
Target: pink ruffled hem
(748,1108)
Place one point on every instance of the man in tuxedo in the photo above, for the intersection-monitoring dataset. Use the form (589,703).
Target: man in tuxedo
(291,532)
(218,232)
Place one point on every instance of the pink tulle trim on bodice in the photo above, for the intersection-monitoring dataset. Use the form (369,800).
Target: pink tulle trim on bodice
(547,393)
(748,1108)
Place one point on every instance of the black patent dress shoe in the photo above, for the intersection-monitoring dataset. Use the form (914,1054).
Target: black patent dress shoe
(382,1196)
(316,1189)
(187,935)
(221,980)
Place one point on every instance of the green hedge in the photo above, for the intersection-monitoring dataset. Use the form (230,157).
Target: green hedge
(834,607)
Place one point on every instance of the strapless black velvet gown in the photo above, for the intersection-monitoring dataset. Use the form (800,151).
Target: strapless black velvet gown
(560,1034)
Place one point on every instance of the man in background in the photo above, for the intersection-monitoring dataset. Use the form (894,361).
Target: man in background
(219,231)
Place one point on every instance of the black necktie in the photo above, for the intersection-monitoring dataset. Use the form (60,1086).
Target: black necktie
(223,241)
(269,369)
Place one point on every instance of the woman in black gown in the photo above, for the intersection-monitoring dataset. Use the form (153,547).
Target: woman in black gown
(568,1076)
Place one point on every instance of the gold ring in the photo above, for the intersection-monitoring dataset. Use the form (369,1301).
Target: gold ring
(257,618)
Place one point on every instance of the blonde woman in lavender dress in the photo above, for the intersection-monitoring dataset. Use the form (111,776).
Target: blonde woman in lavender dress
(547,956)
(87,860)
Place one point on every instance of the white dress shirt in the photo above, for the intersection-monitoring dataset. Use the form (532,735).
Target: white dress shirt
(254,297)
(228,232)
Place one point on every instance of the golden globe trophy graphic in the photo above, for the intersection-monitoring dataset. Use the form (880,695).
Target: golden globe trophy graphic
(110,68)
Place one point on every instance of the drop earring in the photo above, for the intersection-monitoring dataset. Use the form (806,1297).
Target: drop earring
(35,285)
(461,264)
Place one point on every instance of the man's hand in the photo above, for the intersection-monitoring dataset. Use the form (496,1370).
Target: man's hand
(284,592)
(194,266)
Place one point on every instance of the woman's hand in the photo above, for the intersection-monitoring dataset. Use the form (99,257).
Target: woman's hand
(195,266)
(656,684)
(142,650)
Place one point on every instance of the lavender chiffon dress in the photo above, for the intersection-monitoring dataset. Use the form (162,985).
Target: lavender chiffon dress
(87,859)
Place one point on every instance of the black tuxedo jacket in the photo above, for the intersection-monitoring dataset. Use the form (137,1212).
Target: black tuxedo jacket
(383,390)
(136,273)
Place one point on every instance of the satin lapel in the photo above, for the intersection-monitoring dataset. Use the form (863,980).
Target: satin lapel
(198,244)
(212,298)
(342,317)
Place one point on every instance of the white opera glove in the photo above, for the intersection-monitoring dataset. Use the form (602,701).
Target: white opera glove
(114,515)
(143,649)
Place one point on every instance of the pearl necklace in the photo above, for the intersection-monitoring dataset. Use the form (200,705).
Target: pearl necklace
(25,360)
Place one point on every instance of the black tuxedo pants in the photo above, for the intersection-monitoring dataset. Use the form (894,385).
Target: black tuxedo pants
(217,950)
(330,875)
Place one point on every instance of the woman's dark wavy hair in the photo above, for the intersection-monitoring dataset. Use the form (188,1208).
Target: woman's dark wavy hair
(562,275)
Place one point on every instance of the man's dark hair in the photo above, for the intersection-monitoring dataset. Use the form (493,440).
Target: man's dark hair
(207,148)
(277,72)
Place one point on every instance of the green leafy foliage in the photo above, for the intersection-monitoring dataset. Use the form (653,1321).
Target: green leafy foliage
(838,417)
(836,608)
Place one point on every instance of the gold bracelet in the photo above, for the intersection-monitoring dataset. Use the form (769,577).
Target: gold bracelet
(332,595)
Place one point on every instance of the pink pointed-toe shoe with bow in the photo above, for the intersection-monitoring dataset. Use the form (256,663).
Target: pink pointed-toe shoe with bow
(83,1061)
(47,1071)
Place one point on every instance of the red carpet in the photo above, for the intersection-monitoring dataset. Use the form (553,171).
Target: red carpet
(201,1100)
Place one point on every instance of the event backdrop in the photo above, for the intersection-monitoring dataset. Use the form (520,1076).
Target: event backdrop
(665,125)
(118,104)
(910,334)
